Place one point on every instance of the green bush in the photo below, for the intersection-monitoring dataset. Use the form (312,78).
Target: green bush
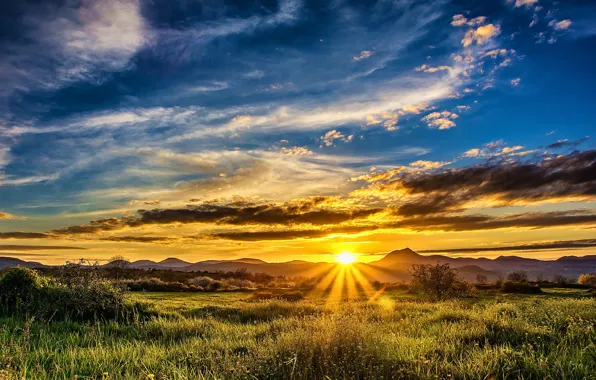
(19,287)
(519,287)
(24,293)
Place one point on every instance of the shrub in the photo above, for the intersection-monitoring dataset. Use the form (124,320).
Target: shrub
(518,276)
(438,281)
(291,296)
(560,280)
(587,279)
(520,287)
(202,281)
(98,299)
(238,283)
(79,297)
(156,285)
(19,287)
(262,296)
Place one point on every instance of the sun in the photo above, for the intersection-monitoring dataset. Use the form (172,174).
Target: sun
(345,258)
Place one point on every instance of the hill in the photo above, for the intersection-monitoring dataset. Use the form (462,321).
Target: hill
(394,266)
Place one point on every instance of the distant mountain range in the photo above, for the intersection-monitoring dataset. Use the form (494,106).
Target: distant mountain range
(394,266)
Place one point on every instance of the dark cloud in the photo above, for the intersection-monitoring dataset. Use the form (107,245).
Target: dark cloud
(36,247)
(290,234)
(24,235)
(567,144)
(485,222)
(288,213)
(563,244)
(138,239)
(561,177)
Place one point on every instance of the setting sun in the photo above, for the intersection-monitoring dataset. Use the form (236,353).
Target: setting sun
(346,258)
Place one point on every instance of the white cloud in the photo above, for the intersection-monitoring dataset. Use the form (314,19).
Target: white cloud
(481,35)
(429,165)
(75,44)
(560,25)
(515,82)
(440,120)
(329,138)
(459,20)
(526,3)
(364,54)
(296,151)
(429,69)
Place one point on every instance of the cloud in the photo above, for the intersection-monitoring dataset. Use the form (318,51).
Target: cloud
(24,235)
(296,151)
(515,82)
(562,244)
(428,69)
(481,35)
(440,120)
(461,20)
(138,239)
(567,143)
(560,25)
(5,215)
(524,3)
(188,43)
(329,138)
(69,44)
(37,247)
(364,54)
(428,165)
(554,179)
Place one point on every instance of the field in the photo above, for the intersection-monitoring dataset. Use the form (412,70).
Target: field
(227,336)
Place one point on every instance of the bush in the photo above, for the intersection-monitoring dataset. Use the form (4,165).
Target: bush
(202,281)
(291,296)
(520,287)
(19,287)
(518,276)
(262,296)
(587,279)
(79,297)
(439,282)
(157,285)
(560,279)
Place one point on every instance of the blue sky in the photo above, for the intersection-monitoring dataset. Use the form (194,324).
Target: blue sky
(114,106)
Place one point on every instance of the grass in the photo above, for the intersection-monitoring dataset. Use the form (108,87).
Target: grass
(226,336)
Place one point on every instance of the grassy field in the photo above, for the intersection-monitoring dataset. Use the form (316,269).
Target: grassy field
(227,336)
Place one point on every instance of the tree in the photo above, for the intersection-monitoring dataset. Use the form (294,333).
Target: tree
(481,279)
(587,279)
(438,281)
(560,279)
(518,276)
(118,264)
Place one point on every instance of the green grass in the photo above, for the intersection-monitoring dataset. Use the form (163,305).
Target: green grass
(225,336)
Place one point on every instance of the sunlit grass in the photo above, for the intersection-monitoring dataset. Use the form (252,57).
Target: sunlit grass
(194,336)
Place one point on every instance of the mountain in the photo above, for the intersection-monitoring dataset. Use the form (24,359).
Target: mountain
(394,266)
(172,262)
(250,261)
(9,262)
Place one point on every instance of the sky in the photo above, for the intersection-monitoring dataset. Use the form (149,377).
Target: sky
(296,129)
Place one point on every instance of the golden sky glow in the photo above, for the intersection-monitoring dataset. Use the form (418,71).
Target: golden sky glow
(234,134)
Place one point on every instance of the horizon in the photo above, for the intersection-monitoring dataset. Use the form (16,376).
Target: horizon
(288,130)
(357,258)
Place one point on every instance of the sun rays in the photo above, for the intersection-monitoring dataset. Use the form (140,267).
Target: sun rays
(346,258)
(346,281)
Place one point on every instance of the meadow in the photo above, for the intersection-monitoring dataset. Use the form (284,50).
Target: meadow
(229,335)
